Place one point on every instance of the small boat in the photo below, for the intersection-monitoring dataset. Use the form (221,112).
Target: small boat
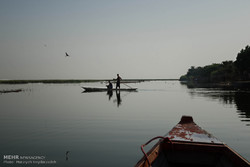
(11,91)
(189,145)
(99,89)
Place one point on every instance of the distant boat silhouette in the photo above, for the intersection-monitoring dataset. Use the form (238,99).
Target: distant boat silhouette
(66,54)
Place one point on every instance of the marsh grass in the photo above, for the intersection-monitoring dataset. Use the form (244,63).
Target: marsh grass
(70,81)
(49,81)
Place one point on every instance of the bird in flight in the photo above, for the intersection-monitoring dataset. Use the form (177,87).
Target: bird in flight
(66,54)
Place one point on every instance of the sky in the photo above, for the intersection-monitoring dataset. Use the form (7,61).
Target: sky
(139,39)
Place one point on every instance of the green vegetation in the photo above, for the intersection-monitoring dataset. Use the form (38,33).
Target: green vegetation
(227,71)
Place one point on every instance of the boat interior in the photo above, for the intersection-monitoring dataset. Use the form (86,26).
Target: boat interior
(189,145)
(180,154)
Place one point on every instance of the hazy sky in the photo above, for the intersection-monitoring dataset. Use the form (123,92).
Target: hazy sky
(135,38)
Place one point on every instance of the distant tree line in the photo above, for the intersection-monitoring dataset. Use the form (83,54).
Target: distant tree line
(227,71)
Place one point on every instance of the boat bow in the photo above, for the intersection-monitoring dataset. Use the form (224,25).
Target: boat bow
(187,130)
(189,145)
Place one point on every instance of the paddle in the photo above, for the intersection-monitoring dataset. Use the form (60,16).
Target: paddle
(127,85)
(122,83)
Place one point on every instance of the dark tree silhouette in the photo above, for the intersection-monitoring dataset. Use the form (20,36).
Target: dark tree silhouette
(227,71)
(243,63)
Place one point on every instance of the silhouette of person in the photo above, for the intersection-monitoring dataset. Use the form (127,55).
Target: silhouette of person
(110,86)
(118,81)
(110,90)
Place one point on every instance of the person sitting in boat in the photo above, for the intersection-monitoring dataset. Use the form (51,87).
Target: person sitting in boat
(110,86)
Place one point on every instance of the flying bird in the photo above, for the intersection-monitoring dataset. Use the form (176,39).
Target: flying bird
(66,54)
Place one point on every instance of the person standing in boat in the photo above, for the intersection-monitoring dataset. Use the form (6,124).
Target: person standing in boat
(118,81)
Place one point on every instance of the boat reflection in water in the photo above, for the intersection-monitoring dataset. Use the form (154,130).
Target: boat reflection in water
(110,94)
(118,99)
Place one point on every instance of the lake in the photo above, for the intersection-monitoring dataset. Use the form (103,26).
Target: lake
(60,125)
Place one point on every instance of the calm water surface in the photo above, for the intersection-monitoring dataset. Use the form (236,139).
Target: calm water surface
(48,120)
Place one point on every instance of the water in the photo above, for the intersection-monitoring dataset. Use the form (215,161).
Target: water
(47,120)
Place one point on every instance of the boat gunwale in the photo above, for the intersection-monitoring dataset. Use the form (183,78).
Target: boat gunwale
(174,143)
(154,151)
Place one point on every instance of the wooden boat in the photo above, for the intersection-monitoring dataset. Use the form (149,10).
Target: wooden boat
(189,145)
(99,89)
(11,91)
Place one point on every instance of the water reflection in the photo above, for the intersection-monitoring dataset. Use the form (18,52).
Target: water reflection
(67,155)
(109,93)
(118,96)
(118,99)
(242,100)
(238,98)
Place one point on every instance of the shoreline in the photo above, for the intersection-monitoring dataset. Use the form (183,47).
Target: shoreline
(70,81)
(225,85)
